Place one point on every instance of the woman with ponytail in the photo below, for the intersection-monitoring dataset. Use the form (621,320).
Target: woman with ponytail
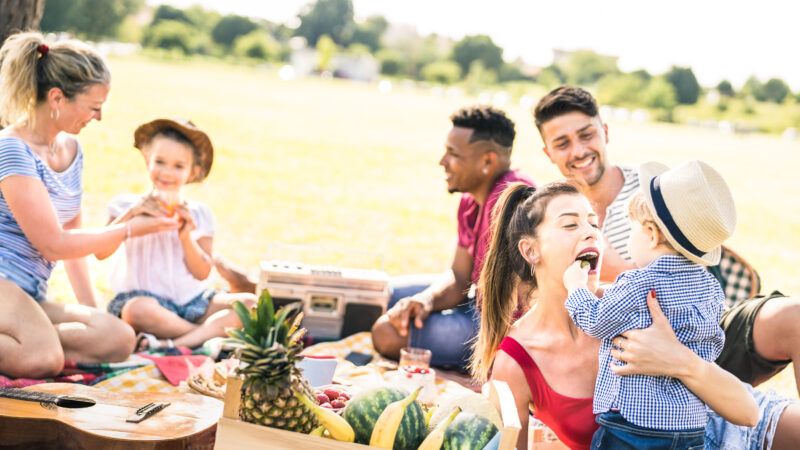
(548,362)
(48,94)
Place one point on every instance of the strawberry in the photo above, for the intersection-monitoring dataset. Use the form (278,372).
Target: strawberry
(332,393)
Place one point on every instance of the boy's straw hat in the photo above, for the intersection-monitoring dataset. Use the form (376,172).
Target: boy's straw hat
(692,206)
(197,137)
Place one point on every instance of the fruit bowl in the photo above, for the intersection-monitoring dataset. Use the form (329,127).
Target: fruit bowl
(333,397)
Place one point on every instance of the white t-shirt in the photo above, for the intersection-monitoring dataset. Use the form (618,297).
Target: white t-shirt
(154,262)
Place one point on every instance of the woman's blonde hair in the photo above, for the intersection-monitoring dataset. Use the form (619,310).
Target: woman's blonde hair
(30,67)
(518,213)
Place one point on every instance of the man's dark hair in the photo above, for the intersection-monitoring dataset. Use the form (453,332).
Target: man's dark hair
(486,123)
(564,100)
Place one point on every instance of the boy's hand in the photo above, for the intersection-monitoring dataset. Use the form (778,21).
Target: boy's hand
(576,276)
(187,222)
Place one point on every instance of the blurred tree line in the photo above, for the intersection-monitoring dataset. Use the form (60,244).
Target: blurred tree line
(475,62)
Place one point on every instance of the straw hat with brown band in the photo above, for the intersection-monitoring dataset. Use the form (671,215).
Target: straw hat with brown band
(198,138)
(693,207)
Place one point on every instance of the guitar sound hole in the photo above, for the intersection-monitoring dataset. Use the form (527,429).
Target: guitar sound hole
(75,402)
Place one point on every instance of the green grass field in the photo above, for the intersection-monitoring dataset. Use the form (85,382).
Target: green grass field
(335,164)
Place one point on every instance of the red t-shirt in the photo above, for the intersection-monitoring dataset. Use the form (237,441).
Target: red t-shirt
(473,219)
(571,419)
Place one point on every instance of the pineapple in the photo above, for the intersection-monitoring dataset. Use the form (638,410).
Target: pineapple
(268,346)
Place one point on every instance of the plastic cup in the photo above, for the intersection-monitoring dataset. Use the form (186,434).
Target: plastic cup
(414,356)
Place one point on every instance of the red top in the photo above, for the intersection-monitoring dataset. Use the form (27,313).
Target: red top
(571,419)
(473,219)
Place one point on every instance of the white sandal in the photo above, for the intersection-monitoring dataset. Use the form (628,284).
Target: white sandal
(153,343)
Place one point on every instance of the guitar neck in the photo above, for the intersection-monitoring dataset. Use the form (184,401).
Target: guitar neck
(65,401)
(30,396)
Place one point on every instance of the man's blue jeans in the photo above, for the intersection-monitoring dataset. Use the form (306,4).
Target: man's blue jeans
(617,433)
(447,334)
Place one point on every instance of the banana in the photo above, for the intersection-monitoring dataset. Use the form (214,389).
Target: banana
(435,438)
(388,422)
(338,428)
(428,416)
(317,431)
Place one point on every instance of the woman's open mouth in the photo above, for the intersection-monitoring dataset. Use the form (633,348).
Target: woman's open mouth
(590,256)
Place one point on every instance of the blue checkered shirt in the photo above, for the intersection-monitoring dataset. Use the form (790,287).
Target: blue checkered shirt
(692,300)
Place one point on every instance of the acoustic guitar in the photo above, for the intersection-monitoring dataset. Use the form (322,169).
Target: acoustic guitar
(73,416)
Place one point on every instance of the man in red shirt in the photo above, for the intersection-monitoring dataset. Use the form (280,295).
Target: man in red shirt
(440,317)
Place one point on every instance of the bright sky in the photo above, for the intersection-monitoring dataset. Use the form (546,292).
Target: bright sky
(719,40)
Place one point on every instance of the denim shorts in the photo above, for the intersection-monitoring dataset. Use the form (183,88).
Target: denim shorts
(191,311)
(722,435)
(616,433)
(33,286)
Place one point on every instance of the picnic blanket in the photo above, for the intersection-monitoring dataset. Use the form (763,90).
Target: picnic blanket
(151,371)
(377,372)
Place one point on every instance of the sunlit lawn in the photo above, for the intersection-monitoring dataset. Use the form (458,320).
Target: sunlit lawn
(338,165)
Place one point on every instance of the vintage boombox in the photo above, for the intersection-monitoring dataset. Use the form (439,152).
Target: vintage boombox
(337,302)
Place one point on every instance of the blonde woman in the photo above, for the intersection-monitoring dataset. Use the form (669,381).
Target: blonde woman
(48,94)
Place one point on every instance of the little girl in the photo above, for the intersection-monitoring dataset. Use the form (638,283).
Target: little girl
(160,279)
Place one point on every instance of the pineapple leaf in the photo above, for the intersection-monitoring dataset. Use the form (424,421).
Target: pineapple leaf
(297,319)
(266,310)
(243,313)
(283,332)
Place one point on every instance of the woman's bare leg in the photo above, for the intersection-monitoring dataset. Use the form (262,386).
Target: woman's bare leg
(90,335)
(29,345)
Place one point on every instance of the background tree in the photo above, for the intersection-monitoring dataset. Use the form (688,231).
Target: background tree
(327,17)
(167,12)
(659,94)
(642,75)
(725,89)
(478,48)
(326,49)
(551,76)
(369,33)
(620,90)
(171,35)
(585,67)
(19,15)
(753,87)
(776,90)
(392,62)
(91,19)
(685,83)
(231,27)
(443,72)
(257,44)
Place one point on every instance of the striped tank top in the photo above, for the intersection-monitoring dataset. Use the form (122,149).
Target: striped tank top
(64,189)
(616,227)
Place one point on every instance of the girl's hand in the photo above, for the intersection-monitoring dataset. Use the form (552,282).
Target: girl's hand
(146,224)
(187,223)
(151,206)
(576,277)
(654,350)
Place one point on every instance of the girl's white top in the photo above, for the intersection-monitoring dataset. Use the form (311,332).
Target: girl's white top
(155,262)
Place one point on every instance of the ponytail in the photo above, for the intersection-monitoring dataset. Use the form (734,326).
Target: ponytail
(29,68)
(518,213)
(18,59)
(498,280)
